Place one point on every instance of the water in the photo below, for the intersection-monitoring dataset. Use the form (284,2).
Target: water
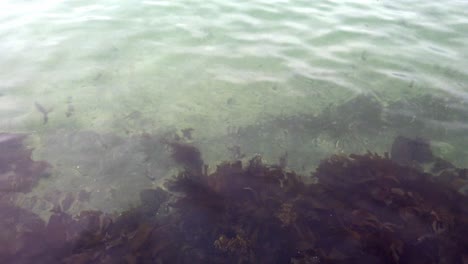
(179,62)
(250,78)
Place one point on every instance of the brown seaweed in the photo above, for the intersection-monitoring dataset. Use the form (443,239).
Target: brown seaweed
(364,209)
(21,235)
(187,156)
(18,172)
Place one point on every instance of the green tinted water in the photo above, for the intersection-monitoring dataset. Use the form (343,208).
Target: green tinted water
(179,62)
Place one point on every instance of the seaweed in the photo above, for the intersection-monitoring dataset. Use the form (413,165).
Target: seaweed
(187,156)
(18,172)
(363,209)
(21,234)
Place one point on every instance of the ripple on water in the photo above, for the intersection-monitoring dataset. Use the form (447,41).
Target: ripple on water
(359,46)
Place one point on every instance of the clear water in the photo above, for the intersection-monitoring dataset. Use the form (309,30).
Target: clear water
(179,62)
(109,71)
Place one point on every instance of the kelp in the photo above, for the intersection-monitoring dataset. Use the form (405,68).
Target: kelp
(363,209)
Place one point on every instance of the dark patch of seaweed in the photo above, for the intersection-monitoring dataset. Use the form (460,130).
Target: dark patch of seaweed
(364,209)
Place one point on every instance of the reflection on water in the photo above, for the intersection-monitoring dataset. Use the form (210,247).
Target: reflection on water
(221,131)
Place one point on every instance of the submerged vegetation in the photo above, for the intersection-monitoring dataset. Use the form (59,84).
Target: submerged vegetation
(354,126)
(406,208)
(18,172)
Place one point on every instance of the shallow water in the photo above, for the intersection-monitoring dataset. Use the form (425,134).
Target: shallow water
(179,63)
(247,77)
